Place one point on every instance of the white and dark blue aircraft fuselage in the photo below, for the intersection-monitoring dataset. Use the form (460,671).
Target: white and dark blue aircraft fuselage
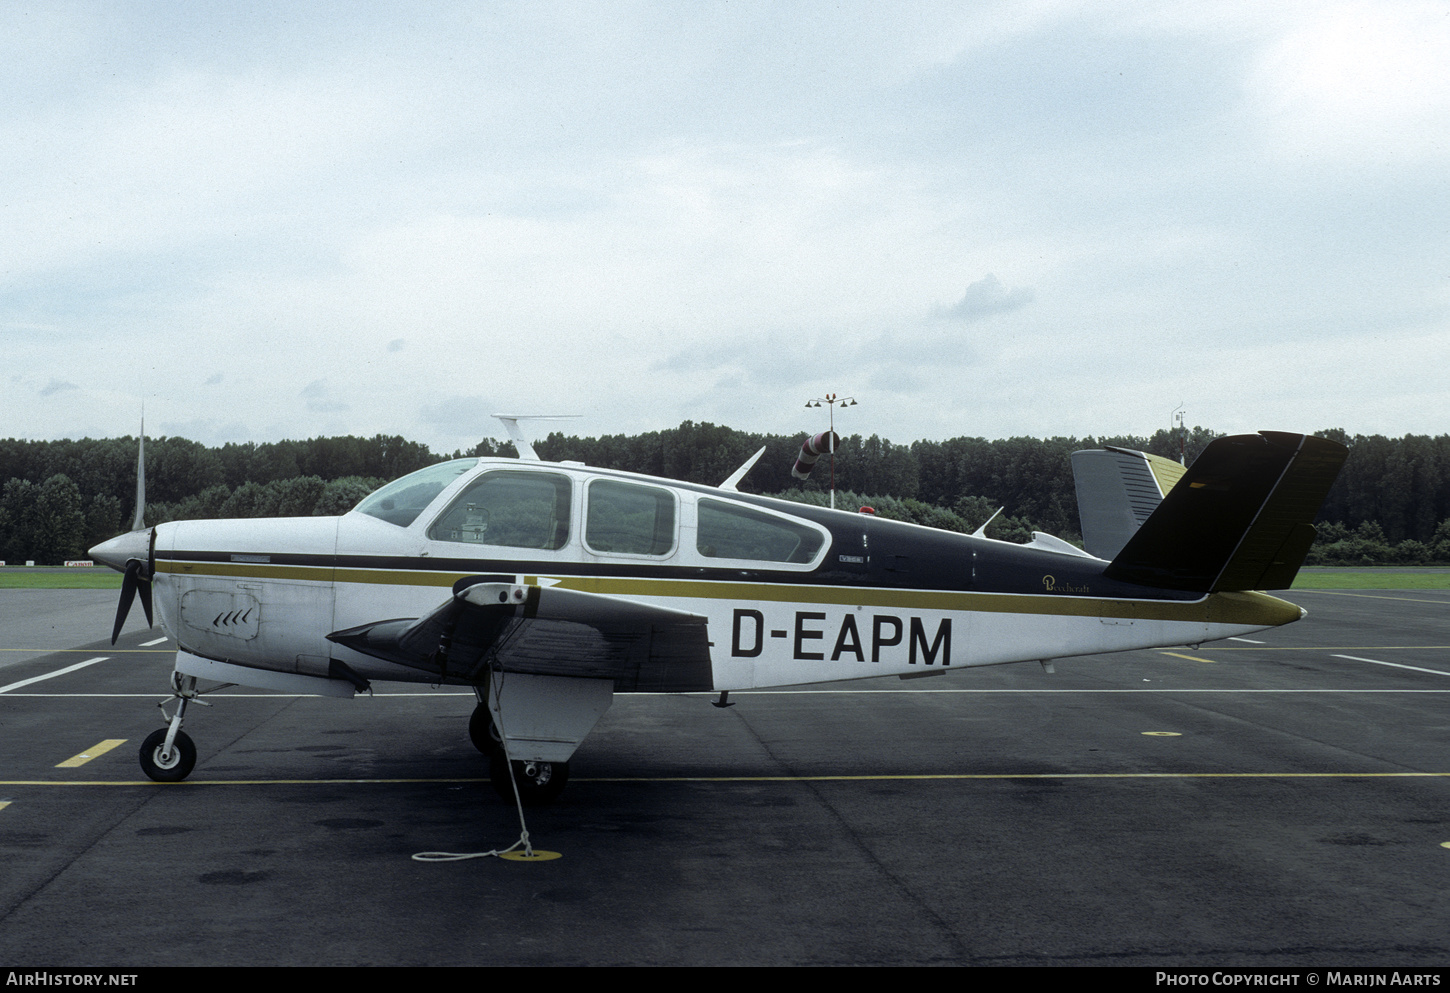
(878,597)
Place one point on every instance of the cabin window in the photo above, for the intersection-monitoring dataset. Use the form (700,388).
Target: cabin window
(509,508)
(402,500)
(629,519)
(729,531)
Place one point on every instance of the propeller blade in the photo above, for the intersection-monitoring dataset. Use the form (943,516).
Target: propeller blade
(143,586)
(129,582)
(140,521)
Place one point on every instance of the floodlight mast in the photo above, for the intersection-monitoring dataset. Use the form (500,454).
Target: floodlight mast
(832,400)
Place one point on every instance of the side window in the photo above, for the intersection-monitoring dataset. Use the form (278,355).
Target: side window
(729,531)
(509,508)
(629,519)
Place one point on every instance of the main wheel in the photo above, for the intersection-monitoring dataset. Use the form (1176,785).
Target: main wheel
(540,783)
(172,768)
(482,732)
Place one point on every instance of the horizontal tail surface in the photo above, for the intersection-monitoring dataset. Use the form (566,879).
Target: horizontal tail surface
(1241,518)
(1117,490)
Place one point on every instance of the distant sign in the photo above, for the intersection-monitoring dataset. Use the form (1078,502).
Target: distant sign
(79,563)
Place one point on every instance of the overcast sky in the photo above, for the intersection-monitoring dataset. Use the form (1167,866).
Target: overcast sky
(270,221)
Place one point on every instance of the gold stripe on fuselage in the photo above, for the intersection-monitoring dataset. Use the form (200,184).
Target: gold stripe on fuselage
(1248,608)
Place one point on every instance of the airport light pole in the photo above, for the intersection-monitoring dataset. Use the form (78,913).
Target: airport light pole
(832,401)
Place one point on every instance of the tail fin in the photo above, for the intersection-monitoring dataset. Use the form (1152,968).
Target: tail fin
(1117,490)
(1241,517)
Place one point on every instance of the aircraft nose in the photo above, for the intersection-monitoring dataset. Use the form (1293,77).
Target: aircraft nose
(123,548)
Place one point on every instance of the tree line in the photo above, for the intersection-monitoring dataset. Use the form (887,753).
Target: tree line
(1391,502)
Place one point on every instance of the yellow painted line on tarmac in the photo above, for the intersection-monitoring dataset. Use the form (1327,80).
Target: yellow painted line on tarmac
(921,777)
(1023,775)
(94,752)
(1191,658)
(235,696)
(236,782)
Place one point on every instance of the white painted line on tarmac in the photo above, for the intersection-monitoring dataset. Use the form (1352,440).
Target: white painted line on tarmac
(1249,640)
(1397,665)
(148,644)
(52,675)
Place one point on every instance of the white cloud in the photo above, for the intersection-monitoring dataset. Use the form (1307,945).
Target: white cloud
(1362,81)
(985,297)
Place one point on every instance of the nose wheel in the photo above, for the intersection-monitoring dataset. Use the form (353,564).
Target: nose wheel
(167,763)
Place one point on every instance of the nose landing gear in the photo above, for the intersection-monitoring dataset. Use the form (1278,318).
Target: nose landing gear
(168,754)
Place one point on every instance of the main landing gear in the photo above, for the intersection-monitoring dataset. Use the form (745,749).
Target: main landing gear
(168,754)
(539,783)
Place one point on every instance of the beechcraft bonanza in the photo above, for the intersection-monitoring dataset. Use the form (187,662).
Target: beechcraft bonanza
(549,587)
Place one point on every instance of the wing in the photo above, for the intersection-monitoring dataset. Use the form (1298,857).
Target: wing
(545,631)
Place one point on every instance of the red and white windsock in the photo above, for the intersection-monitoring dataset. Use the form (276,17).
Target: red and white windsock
(814,448)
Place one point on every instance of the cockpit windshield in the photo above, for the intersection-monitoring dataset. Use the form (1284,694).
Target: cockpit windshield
(402,500)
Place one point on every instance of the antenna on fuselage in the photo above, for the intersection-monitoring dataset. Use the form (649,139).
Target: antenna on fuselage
(516,434)
(739,474)
(981,532)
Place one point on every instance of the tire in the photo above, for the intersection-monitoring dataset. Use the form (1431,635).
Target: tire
(540,783)
(482,732)
(178,765)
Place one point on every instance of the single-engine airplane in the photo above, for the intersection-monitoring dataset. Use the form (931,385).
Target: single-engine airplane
(548,587)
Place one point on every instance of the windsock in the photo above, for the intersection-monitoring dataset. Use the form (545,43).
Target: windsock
(814,448)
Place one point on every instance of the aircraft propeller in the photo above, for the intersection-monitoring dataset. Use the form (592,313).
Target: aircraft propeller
(131,553)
